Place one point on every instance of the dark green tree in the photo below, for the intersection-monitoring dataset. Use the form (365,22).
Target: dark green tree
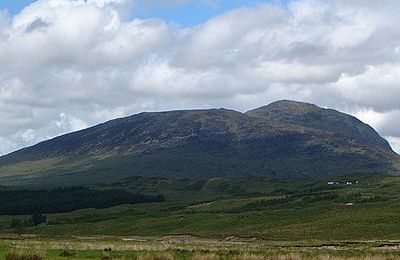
(18,226)
(15,223)
(38,219)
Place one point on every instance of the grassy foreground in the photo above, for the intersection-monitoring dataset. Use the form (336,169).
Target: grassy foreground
(19,248)
(356,217)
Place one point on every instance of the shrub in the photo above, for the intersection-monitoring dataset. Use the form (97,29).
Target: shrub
(15,223)
(38,219)
(66,253)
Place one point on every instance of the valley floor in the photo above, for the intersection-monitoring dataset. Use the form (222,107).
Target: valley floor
(355,217)
(187,247)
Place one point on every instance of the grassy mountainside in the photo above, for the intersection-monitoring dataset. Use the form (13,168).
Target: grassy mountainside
(286,139)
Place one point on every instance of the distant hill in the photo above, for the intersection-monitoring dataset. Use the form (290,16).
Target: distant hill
(286,139)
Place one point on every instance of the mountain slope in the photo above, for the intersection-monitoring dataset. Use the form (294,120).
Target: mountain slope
(285,139)
(312,116)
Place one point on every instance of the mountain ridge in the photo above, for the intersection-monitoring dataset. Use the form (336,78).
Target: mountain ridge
(285,139)
(313,112)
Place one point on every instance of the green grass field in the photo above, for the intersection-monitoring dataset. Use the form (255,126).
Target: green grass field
(162,248)
(364,214)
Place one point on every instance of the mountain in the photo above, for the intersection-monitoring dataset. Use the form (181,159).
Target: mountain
(311,116)
(286,139)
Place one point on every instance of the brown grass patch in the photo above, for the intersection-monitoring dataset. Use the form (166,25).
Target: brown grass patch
(24,255)
(156,256)
(205,257)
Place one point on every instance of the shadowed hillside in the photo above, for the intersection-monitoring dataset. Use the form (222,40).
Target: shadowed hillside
(285,139)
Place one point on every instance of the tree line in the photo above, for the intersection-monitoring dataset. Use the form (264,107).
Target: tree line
(24,202)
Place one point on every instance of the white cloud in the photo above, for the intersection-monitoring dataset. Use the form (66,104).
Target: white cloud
(395,143)
(65,65)
(68,123)
(378,87)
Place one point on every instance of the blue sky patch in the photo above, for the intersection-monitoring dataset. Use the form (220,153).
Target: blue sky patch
(190,13)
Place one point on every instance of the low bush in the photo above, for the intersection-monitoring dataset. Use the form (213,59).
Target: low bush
(66,253)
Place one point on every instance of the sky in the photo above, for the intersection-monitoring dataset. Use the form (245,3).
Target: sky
(69,64)
(183,12)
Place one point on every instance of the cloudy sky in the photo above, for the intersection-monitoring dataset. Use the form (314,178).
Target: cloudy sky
(69,64)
